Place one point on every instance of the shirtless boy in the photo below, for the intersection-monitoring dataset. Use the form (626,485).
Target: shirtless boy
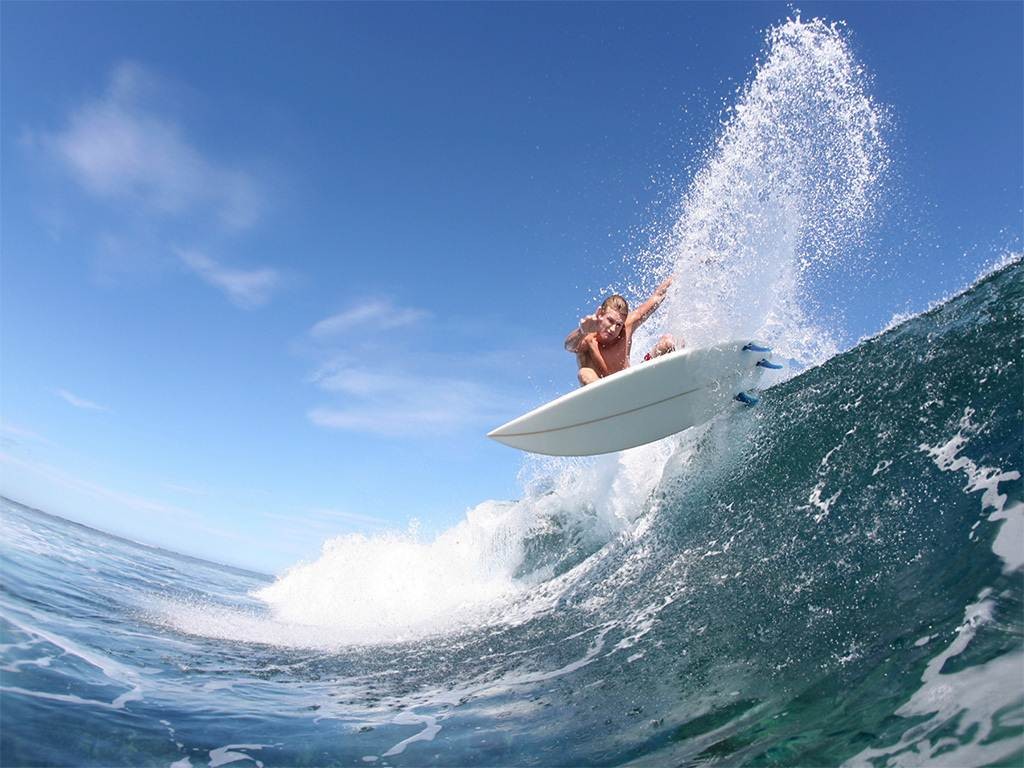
(603,340)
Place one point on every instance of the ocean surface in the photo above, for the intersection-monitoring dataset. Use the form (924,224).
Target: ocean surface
(834,577)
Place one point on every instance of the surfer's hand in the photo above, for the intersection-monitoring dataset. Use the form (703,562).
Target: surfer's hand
(663,288)
(589,324)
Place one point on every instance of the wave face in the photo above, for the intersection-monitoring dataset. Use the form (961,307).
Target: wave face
(832,577)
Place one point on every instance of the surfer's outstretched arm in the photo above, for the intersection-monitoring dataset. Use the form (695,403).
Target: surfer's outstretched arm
(641,313)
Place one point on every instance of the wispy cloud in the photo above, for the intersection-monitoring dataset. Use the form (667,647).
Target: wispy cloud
(13,433)
(408,384)
(325,513)
(79,402)
(336,377)
(397,403)
(245,288)
(381,313)
(328,519)
(119,147)
(187,489)
(64,479)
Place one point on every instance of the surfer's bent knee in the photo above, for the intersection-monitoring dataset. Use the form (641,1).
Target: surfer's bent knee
(587,376)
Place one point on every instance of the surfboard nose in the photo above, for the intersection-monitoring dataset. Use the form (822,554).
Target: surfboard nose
(498,433)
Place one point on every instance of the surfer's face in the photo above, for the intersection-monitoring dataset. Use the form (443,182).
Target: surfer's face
(611,325)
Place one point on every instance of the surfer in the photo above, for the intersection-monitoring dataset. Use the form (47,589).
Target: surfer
(603,340)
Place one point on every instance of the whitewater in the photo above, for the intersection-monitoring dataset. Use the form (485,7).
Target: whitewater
(834,577)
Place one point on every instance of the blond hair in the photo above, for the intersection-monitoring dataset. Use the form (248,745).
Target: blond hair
(615,303)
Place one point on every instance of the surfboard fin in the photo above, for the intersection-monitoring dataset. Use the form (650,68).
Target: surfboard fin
(747,399)
(766,363)
(752,347)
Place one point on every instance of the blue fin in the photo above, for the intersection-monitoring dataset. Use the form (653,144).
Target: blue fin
(747,399)
(769,364)
(752,347)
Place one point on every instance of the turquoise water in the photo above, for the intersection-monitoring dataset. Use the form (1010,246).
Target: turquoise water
(833,577)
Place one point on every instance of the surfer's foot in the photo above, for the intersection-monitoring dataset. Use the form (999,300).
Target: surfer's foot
(665,345)
(587,376)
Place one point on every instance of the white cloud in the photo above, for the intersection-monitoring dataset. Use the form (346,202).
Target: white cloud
(12,433)
(328,519)
(381,313)
(79,402)
(118,148)
(245,288)
(397,403)
(59,477)
(382,383)
(187,489)
(16,431)
(358,381)
(326,513)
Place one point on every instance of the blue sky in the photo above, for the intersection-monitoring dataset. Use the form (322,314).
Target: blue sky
(270,272)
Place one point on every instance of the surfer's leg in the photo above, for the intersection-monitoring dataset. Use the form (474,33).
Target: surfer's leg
(586,374)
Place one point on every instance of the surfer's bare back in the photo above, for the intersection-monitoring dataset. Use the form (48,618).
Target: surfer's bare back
(603,339)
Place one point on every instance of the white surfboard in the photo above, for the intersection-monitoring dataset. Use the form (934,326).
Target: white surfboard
(641,404)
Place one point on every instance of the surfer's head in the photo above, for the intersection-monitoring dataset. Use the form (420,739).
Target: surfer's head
(615,302)
(612,315)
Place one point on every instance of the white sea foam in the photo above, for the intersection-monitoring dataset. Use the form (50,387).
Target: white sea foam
(1009,542)
(118,674)
(396,586)
(230,754)
(953,714)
